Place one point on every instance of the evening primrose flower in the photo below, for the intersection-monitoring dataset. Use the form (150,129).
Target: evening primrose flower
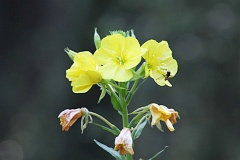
(118,55)
(123,142)
(160,112)
(160,64)
(68,117)
(83,73)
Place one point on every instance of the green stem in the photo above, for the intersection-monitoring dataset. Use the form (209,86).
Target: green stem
(129,157)
(125,116)
(106,121)
(122,95)
(132,91)
(124,106)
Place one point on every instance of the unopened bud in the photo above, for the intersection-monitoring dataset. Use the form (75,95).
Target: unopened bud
(97,39)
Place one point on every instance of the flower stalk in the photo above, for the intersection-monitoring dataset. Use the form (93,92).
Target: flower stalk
(116,68)
(112,126)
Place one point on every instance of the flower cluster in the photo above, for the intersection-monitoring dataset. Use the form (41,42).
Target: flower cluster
(116,59)
(117,66)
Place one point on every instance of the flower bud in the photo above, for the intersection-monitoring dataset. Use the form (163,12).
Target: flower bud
(97,39)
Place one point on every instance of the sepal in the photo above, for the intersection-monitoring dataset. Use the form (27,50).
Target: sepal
(70,53)
(159,126)
(103,93)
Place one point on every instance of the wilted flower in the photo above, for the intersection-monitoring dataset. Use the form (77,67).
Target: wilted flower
(123,142)
(160,112)
(160,64)
(118,55)
(84,72)
(68,117)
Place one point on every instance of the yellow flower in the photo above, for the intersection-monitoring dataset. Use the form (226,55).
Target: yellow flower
(160,112)
(123,142)
(118,55)
(160,64)
(68,117)
(84,72)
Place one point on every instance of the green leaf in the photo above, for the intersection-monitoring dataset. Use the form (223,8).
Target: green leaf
(115,103)
(139,130)
(158,153)
(103,93)
(114,153)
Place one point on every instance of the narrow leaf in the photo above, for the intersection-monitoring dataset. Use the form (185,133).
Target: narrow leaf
(115,104)
(139,129)
(114,153)
(158,153)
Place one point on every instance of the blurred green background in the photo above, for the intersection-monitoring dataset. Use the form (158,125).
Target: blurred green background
(203,35)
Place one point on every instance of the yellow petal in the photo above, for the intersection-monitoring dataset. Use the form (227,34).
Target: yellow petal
(85,81)
(169,125)
(85,61)
(111,47)
(118,55)
(73,73)
(160,112)
(115,72)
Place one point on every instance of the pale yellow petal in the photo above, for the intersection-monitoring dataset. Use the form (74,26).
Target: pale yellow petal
(85,81)
(111,47)
(115,72)
(85,61)
(73,73)
(131,48)
(132,63)
(163,50)
(150,45)
(172,66)
(169,125)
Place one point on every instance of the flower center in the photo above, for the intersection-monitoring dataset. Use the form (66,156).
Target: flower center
(120,61)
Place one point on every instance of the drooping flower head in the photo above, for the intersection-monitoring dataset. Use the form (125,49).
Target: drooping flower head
(68,117)
(160,64)
(162,113)
(123,142)
(118,55)
(84,72)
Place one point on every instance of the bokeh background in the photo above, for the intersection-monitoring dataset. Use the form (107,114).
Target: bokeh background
(203,35)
